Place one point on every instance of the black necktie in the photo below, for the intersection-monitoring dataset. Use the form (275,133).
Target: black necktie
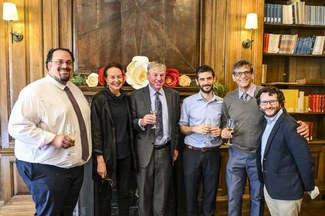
(82,125)
(159,132)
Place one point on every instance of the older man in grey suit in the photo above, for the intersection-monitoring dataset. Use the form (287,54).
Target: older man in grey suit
(156,148)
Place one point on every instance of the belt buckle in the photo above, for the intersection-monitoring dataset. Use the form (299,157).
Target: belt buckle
(204,149)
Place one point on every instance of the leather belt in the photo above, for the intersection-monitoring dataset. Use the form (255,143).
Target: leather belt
(157,147)
(205,149)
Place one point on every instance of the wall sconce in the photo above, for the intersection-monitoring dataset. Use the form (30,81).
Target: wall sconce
(251,23)
(10,14)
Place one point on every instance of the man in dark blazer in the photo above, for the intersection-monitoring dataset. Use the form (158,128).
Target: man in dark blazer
(156,148)
(285,165)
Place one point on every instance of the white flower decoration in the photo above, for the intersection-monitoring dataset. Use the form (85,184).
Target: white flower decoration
(136,74)
(92,80)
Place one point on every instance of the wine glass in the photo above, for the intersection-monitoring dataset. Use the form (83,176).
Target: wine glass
(230,127)
(70,131)
(154,113)
(207,122)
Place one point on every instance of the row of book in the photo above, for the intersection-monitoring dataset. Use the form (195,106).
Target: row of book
(292,44)
(297,102)
(295,12)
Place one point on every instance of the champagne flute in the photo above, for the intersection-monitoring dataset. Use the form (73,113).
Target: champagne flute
(70,131)
(154,113)
(230,127)
(207,122)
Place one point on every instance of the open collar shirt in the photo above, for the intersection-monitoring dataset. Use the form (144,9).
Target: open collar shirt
(267,131)
(195,110)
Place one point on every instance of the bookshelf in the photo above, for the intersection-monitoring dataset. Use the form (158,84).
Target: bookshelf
(287,70)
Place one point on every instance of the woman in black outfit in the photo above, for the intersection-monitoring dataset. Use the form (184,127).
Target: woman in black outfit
(112,139)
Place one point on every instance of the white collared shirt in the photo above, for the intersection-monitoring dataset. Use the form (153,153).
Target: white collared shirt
(41,112)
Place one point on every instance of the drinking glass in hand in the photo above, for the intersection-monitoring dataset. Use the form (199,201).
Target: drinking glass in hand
(230,127)
(70,131)
(207,123)
(154,113)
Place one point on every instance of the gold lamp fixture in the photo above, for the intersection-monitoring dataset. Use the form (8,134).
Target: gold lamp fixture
(10,14)
(251,23)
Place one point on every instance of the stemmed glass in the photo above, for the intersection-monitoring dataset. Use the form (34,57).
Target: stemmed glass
(207,122)
(154,113)
(70,131)
(230,127)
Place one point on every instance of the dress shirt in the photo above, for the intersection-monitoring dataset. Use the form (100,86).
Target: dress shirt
(195,110)
(267,131)
(42,111)
(162,98)
(250,92)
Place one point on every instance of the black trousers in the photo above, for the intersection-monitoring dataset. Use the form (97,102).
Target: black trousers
(103,190)
(199,166)
(54,190)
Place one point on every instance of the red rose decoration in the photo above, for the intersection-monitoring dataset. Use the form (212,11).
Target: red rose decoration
(101,76)
(172,76)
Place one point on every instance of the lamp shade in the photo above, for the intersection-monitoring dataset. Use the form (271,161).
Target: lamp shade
(10,11)
(251,21)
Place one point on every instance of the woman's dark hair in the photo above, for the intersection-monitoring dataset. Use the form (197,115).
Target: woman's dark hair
(111,65)
(271,90)
(50,55)
(203,69)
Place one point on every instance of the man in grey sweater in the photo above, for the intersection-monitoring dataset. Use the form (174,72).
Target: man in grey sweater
(240,106)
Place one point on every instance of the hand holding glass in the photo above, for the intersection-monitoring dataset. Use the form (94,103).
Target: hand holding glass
(154,113)
(230,127)
(70,131)
(207,123)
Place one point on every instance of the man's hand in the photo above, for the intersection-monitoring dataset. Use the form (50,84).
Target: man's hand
(148,119)
(61,141)
(226,134)
(201,129)
(215,132)
(303,129)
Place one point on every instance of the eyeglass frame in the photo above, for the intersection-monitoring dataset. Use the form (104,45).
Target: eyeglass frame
(240,74)
(60,62)
(271,102)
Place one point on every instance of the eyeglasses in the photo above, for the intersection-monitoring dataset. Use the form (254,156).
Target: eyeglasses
(239,74)
(61,62)
(271,102)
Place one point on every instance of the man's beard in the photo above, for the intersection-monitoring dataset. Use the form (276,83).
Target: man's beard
(206,91)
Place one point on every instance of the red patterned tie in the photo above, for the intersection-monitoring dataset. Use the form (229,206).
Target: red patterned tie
(82,125)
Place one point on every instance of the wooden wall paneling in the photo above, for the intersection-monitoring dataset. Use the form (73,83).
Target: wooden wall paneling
(213,33)
(50,26)
(258,7)
(4,78)
(233,39)
(236,33)
(65,23)
(18,74)
(7,175)
(35,39)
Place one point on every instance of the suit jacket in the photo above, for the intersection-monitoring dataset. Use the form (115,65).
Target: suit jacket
(288,168)
(144,140)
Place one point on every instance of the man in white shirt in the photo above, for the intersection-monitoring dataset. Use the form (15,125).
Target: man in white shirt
(49,161)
